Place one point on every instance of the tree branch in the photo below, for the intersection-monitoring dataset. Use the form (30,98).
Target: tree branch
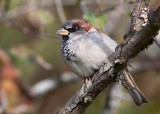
(115,63)
(139,15)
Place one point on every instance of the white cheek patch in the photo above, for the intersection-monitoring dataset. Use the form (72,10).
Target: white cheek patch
(77,35)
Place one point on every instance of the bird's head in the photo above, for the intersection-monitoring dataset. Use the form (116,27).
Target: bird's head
(74,28)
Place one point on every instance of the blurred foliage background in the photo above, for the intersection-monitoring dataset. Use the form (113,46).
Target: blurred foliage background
(33,77)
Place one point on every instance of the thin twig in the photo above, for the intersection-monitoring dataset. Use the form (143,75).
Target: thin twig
(157,40)
(107,10)
(4,101)
(28,31)
(60,10)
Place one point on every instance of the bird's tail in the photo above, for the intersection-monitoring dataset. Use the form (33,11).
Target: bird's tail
(128,82)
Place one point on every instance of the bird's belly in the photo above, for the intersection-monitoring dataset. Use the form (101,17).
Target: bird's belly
(87,61)
(82,70)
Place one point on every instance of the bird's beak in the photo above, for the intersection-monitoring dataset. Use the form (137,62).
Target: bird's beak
(62,32)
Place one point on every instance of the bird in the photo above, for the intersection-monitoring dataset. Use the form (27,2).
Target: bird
(85,48)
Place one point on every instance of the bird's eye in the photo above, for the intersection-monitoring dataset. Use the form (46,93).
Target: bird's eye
(73,29)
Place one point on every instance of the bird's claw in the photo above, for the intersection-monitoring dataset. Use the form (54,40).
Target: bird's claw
(86,86)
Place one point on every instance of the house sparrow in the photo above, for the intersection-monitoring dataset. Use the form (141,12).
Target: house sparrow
(84,49)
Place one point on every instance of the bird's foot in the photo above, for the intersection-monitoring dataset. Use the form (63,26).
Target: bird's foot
(86,86)
(88,83)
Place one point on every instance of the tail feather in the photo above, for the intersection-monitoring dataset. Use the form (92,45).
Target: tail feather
(137,96)
(133,90)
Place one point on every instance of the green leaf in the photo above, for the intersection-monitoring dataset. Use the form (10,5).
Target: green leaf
(45,16)
(97,21)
